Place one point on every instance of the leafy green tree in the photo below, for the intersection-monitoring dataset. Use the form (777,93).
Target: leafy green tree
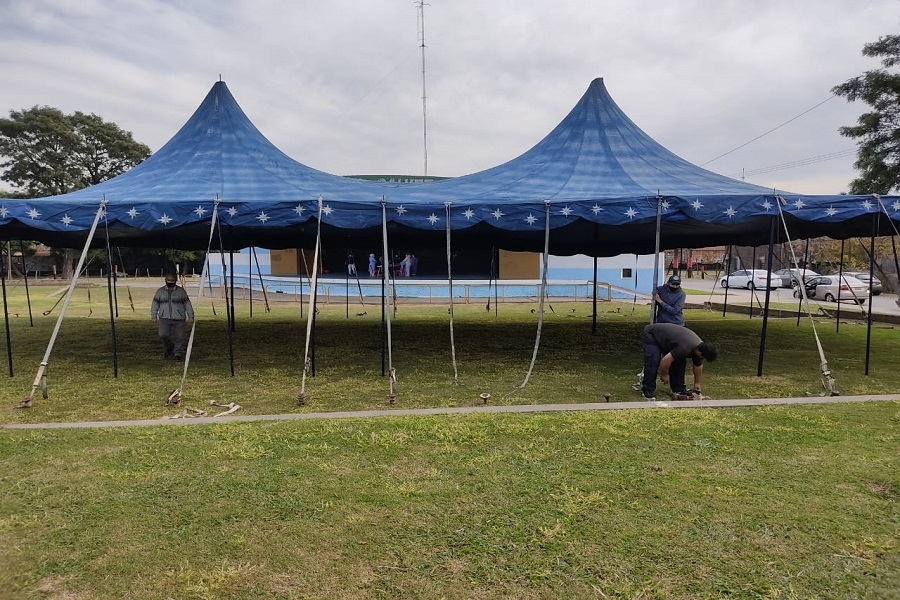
(878,131)
(44,152)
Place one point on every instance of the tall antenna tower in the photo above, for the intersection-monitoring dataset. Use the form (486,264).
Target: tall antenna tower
(420,5)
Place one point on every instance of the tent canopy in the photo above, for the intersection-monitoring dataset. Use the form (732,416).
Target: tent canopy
(598,178)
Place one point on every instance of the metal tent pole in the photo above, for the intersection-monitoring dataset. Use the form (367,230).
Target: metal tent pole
(765,325)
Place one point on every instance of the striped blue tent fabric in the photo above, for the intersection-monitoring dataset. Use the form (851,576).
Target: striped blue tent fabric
(597,177)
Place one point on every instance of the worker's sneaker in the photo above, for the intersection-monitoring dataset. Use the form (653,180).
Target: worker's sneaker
(179,357)
(648,395)
(168,352)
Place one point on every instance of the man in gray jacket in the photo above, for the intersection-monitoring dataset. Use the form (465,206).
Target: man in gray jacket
(170,309)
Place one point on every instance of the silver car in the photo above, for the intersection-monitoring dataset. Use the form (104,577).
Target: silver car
(791,277)
(826,287)
(864,277)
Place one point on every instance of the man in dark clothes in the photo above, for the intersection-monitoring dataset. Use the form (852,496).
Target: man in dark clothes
(666,349)
(670,301)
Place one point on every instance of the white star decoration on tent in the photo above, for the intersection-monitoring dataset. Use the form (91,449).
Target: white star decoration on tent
(896,205)
(326,210)
(565,211)
(133,212)
(596,209)
(497,214)
(697,205)
(432,218)
(767,205)
(33,213)
(867,205)
(469,214)
(200,211)
(730,212)
(831,211)
(231,211)
(4,212)
(799,204)
(66,220)
(165,219)
(530,219)
(665,205)
(262,217)
(299,209)
(401,209)
(630,213)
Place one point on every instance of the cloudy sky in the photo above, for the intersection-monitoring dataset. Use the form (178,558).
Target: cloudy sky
(337,84)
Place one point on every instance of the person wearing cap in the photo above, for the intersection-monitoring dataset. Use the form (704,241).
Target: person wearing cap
(670,302)
(667,347)
(170,308)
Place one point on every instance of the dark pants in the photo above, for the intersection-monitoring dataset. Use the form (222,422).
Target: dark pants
(652,356)
(171,332)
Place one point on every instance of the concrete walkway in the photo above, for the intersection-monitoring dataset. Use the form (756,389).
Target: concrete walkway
(521,408)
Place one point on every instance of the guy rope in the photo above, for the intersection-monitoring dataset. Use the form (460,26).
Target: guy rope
(41,378)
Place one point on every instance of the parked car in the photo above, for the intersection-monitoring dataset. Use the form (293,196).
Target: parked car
(751,279)
(826,287)
(791,277)
(864,277)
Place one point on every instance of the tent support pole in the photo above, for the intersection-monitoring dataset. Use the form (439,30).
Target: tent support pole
(262,284)
(25,277)
(450,288)
(41,376)
(875,219)
(392,373)
(6,321)
(725,273)
(765,325)
(347,285)
(802,280)
(229,308)
(594,300)
(656,281)
(231,284)
(753,287)
(113,308)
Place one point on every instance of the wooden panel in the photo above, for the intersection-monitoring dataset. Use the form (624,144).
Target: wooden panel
(519,265)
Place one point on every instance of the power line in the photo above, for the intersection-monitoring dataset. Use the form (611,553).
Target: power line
(798,163)
(770,131)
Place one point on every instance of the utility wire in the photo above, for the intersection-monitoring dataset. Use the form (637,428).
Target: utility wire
(770,131)
(797,163)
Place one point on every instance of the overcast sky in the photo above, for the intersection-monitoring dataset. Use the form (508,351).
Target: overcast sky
(337,84)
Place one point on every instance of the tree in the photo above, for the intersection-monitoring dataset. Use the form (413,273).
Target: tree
(45,153)
(878,155)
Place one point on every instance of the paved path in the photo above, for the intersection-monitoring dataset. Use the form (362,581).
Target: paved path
(520,408)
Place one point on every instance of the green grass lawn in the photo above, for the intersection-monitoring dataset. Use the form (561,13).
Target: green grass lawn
(767,502)
(493,353)
(770,502)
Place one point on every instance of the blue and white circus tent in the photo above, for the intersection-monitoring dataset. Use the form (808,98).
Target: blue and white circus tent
(597,181)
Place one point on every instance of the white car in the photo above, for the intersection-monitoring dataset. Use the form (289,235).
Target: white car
(751,279)
(825,287)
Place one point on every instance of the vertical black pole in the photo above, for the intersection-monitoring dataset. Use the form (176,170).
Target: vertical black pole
(875,218)
(594,316)
(347,285)
(231,283)
(312,337)
(725,276)
(752,282)
(383,322)
(250,284)
(229,308)
(112,319)
(837,314)
(495,273)
(802,279)
(6,318)
(25,276)
(765,325)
